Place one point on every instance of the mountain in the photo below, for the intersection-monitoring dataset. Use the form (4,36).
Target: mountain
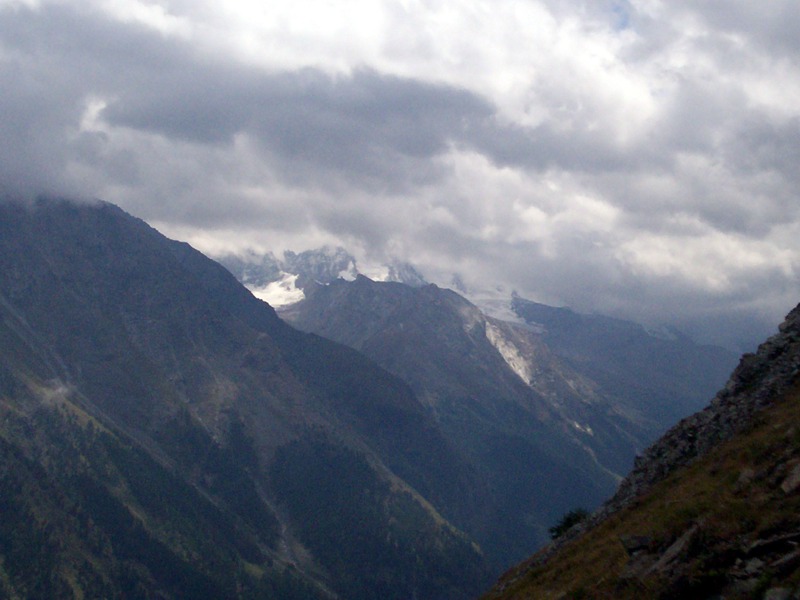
(711,510)
(660,373)
(282,281)
(165,435)
(540,429)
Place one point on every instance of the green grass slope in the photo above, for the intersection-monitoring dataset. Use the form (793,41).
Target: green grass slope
(727,525)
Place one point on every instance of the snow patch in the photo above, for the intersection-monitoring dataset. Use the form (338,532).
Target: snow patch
(510,353)
(281,292)
(493,302)
(350,273)
(584,428)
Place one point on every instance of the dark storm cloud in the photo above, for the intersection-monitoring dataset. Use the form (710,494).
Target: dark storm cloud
(759,144)
(660,175)
(547,146)
(51,61)
(378,131)
(375,130)
(369,128)
(773,26)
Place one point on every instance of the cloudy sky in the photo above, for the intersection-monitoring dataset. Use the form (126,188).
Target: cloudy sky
(636,158)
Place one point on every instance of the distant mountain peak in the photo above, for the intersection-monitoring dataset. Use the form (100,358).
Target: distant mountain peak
(321,265)
(281,282)
(404,272)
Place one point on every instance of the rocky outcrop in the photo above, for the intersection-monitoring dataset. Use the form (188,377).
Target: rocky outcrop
(759,379)
(746,562)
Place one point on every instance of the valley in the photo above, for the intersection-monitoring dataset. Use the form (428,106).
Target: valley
(164,430)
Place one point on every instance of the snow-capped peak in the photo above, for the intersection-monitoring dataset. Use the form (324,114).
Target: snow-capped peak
(280,282)
(279,293)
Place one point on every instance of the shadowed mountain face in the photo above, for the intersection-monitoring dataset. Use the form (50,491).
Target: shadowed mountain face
(661,374)
(164,434)
(546,431)
(711,510)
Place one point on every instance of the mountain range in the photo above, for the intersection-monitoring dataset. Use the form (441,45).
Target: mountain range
(281,281)
(165,433)
(550,408)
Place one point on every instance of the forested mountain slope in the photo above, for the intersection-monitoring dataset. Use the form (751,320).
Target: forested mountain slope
(547,429)
(164,434)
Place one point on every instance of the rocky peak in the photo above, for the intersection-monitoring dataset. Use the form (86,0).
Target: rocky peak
(403,272)
(322,265)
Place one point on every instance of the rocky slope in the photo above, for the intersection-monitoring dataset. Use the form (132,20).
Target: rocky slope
(710,510)
(757,382)
(164,434)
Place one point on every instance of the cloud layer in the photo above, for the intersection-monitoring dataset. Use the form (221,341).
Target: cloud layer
(636,158)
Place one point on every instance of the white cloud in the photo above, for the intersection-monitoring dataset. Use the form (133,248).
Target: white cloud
(713,262)
(148,14)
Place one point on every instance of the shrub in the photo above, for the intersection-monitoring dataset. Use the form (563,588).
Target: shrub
(571,518)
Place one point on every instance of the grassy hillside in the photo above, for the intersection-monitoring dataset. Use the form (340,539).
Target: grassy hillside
(728,524)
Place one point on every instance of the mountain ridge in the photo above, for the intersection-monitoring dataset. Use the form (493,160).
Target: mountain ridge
(505,398)
(170,410)
(709,509)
